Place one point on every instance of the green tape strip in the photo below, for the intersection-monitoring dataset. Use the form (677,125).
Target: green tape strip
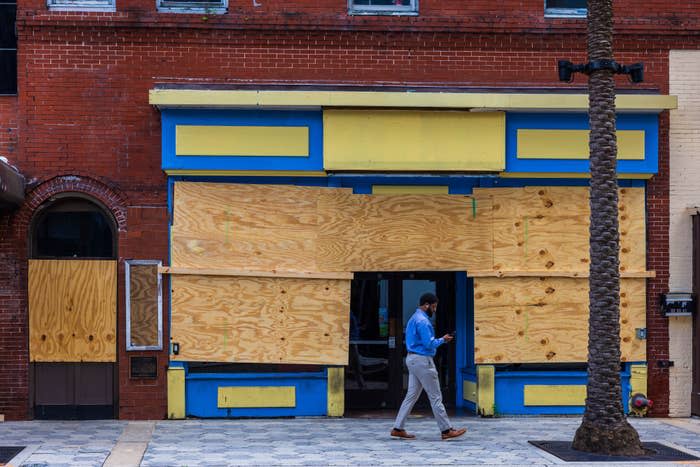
(474,208)
(525,242)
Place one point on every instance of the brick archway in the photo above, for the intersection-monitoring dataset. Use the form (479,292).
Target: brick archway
(14,319)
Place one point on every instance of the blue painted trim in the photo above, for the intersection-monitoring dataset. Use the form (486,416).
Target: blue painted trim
(201,394)
(470,356)
(463,184)
(510,390)
(579,121)
(166,283)
(311,119)
(321,375)
(522,182)
(462,341)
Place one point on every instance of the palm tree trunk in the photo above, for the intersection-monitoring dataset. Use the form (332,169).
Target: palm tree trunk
(604,428)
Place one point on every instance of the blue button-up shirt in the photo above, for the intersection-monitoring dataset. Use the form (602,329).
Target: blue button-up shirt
(420,335)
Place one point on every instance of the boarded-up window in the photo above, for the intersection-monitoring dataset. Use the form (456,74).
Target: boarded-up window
(144,322)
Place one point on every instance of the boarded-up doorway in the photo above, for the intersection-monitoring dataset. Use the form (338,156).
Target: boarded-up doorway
(72,311)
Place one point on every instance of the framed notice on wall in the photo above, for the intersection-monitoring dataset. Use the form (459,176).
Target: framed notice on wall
(144,305)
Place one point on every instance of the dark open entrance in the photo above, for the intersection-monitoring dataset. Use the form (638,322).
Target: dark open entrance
(381,305)
(72,227)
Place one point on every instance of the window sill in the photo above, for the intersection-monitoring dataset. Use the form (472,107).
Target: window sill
(193,10)
(564,13)
(381,13)
(84,8)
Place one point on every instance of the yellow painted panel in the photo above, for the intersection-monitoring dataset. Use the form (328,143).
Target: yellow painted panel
(200,140)
(486,390)
(454,100)
(638,379)
(413,140)
(469,391)
(176,393)
(336,391)
(409,190)
(573,144)
(256,396)
(554,395)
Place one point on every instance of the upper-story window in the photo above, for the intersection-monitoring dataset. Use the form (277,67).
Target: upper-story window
(81,5)
(383,7)
(565,8)
(8,47)
(214,7)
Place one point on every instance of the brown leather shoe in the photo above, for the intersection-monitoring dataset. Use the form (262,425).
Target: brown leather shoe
(452,434)
(401,434)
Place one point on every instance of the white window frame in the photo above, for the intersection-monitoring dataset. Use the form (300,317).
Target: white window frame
(211,7)
(127,274)
(564,12)
(408,10)
(82,5)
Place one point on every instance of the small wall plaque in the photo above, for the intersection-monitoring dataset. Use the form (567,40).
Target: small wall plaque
(143,368)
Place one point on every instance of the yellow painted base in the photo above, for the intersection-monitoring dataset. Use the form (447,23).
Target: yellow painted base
(638,379)
(336,392)
(469,391)
(176,393)
(486,390)
(238,397)
(566,395)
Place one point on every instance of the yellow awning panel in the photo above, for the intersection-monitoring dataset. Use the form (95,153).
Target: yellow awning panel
(408,140)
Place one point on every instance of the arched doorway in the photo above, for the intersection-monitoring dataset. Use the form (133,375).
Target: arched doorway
(72,309)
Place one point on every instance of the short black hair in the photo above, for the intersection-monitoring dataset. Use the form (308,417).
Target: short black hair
(428,298)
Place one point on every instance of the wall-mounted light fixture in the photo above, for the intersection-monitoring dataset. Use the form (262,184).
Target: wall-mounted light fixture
(567,69)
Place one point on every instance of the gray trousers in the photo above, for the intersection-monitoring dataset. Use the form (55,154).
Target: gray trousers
(422,375)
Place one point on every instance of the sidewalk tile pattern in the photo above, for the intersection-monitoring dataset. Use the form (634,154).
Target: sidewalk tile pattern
(319,441)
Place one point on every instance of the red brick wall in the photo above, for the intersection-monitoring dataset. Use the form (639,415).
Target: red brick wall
(83,111)
(8,126)
(657,260)
(475,15)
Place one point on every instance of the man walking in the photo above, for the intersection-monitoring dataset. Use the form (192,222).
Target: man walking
(421,345)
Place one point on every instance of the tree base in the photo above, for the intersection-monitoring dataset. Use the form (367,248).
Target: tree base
(616,440)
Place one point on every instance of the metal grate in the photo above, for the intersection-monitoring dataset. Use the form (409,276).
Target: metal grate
(8,452)
(657,452)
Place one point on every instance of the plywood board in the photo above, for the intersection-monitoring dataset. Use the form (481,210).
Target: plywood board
(255,227)
(545,320)
(143,304)
(260,320)
(633,244)
(72,310)
(403,232)
(546,228)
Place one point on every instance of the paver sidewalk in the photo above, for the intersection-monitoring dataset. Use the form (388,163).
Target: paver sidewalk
(315,441)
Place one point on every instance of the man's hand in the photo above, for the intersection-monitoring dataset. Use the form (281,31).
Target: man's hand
(447,338)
